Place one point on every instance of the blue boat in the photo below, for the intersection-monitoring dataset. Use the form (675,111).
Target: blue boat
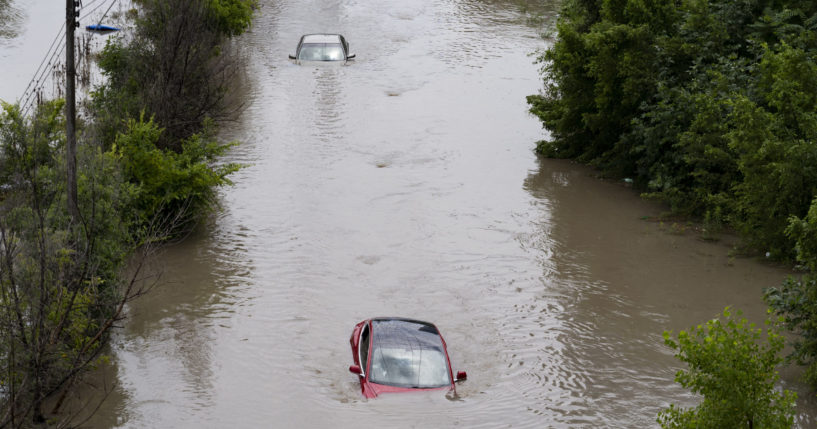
(101,28)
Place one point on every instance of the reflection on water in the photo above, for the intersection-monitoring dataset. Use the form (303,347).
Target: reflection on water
(615,285)
(405,185)
(172,333)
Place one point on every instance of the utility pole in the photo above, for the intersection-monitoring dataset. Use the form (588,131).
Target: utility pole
(71,15)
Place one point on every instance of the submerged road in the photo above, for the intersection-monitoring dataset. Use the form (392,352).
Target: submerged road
(405,185)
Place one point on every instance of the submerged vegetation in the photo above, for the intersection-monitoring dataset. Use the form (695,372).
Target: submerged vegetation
(148,170)
(735,371)
(61,284)
(707,105)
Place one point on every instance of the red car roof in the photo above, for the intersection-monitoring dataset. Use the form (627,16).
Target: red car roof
(411,335)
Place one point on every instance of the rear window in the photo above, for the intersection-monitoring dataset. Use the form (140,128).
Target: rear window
(408,354)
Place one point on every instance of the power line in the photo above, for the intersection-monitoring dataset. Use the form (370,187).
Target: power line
(60,35)
(39,79)
(90,3)
(97,7)
(29,97)
(106,11)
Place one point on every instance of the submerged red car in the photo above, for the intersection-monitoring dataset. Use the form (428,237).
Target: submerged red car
(393,354)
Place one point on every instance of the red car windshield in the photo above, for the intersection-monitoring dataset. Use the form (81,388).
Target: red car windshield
(408,354)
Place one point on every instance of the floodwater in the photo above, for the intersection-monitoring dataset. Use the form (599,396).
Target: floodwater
(405,185)
(10,18)
(32,40)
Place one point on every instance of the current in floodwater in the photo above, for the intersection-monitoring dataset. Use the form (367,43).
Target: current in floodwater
(405,184)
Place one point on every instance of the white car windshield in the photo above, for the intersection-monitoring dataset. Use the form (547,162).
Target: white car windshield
(321,52)
(408,354)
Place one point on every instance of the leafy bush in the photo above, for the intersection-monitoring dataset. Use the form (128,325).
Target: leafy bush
(176,72)
(710,105)
(176,67)
(61,288)
(59,279)
(232,17)
(796,298)
(776,141)
(171,184)
(731,365)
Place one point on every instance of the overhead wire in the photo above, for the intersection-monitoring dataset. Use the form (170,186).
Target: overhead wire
(29,94)
(86,14)
(49,56)
(90,3)
(106,12)
(52,62)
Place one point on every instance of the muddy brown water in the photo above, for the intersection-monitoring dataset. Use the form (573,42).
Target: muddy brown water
(405,184)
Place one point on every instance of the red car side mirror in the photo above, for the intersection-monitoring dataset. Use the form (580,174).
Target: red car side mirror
(461,375)
(355,369)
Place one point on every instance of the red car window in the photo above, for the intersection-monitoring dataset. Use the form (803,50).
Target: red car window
(408,354)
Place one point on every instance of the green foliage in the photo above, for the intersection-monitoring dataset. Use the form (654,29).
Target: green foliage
(733,367)
(175,72)
(796,298)
(227,17)
(600,71)
(712,224)
(232,17)
(568,94)
(707,104)
(138,182)
(113,102)
(710,106)
(804,233)
(27,146)
(59,280)
(170,183)
(176,67)
(776,141)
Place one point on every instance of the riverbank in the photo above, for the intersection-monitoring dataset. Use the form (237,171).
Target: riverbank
(143,179)
(706,108)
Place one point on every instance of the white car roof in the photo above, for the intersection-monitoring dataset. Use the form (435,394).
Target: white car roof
(321,38)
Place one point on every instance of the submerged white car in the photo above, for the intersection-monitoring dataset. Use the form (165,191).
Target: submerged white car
(322,47)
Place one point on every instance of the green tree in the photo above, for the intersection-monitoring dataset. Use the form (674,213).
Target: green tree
(170,185)
(233,17)
(734,368)
(708,105)
(60,284)
(176,70)
(599,72)
(62,281)
(711,107)
(796,298)
(177,67)
(775,138)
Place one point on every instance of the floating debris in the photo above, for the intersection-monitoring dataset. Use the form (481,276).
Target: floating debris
(98,28)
